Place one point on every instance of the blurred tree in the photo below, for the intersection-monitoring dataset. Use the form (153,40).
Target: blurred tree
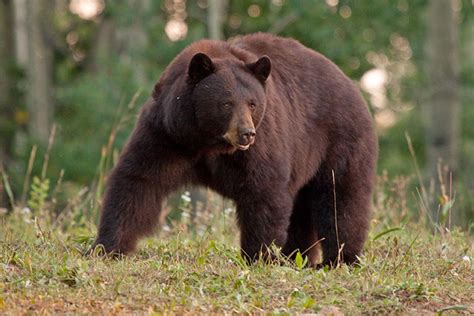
(442,106)
(7,125)
(7,61)
(104,44)
(39,69)
(136,40)
(21,32)
(217,15)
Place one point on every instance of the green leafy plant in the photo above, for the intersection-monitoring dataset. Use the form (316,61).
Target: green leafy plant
(38,194)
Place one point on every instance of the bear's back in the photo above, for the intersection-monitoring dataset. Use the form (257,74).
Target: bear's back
(299,70)
(290,57)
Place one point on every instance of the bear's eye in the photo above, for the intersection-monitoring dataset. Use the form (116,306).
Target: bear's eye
(252,105)
(227,105)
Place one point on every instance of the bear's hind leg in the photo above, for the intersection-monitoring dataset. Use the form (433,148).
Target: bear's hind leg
(302,235)
(263,222)
(342,215)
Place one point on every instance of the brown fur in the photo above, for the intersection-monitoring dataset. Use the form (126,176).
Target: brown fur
(310,121)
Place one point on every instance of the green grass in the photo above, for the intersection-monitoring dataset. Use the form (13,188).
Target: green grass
(406,270)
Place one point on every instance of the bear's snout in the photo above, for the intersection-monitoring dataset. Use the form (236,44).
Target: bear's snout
(241,137)
(246,136)
(241,132)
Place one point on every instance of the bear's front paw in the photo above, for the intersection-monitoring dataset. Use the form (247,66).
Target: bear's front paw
(102,249)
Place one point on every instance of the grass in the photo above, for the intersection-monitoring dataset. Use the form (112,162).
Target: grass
(405,270)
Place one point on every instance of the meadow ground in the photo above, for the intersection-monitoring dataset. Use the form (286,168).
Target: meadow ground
(409,265)
(403,270)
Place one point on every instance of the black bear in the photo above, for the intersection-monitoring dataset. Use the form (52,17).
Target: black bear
(266,122)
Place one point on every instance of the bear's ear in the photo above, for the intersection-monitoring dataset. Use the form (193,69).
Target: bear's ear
(261,68)
(200,67)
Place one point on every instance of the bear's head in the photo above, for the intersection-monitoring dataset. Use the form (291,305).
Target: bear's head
(229,98)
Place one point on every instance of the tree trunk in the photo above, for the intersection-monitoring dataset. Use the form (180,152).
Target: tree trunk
(7,60)
(442,107)
(21,32)
(103,46)
(216,17)
(129,42)
(135,41)
(39,70)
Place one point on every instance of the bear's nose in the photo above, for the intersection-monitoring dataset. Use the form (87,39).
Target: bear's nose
(247,136)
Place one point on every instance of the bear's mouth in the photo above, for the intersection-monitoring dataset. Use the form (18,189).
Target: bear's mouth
(242,147)
(239,146)
(236,145)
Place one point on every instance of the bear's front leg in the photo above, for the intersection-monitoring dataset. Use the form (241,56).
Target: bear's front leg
(135,190)
(131,209)
(263,222)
